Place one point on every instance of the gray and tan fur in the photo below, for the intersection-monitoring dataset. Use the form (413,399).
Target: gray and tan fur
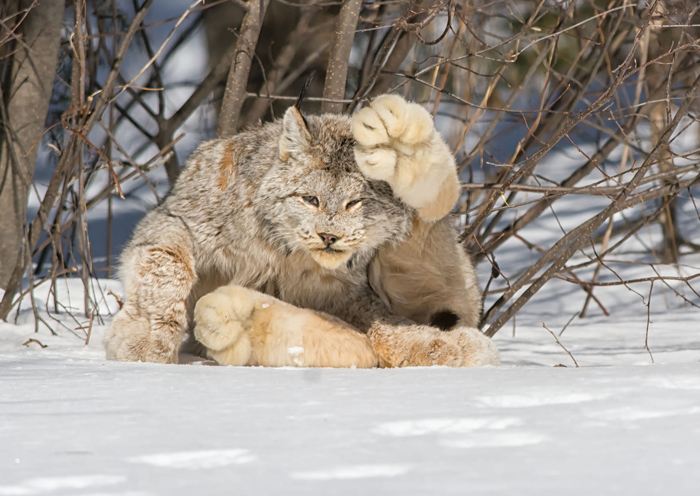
(301,233)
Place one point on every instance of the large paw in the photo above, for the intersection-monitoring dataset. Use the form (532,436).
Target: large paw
(424,347)
(396,142)
(388,128)
(223,316)
(475,348)
(390,118)
(134,338)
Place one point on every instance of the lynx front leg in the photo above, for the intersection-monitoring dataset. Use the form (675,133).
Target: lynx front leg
(427,275)
(240,326)
(151,325)
(397,142)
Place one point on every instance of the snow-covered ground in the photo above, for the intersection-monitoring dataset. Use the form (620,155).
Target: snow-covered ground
(79,427)
(72,423)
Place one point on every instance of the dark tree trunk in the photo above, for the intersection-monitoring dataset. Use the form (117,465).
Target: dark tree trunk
(27,80)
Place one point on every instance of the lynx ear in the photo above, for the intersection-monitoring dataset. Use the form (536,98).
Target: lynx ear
(295,135)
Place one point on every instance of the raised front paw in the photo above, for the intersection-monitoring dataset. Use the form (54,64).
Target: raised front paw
(396,142)
(221,317)
(390,117)
(389,126)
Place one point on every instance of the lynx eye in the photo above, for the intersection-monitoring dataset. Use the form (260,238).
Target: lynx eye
(311,200)
(351,204)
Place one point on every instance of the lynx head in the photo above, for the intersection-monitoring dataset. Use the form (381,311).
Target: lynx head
(316,199)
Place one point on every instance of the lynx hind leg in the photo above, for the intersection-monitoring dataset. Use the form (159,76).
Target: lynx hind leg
(397,142)
(428,278)
(423,346)
(241,326)
(129,339)
(157,280)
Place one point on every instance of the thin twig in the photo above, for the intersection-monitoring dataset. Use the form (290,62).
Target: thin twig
(562,346)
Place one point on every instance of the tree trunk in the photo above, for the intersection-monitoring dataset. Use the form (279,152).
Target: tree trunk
(235,92)
(26,91)
(337,71)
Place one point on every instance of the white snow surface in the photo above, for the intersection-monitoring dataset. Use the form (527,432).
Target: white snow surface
(72,423)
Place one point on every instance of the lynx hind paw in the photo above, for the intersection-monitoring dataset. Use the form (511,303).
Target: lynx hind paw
(390,117)
(426,347)
(222,317)
(476,348)
(461,347)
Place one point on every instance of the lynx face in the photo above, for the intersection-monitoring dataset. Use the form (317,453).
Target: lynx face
(316,199)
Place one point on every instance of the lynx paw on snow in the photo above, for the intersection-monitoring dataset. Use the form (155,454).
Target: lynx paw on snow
(223,316)
(426,347)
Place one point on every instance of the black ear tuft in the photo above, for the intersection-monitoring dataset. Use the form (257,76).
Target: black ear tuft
(302,94)
(444,320)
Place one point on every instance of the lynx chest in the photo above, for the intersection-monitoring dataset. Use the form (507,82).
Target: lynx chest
(304,283)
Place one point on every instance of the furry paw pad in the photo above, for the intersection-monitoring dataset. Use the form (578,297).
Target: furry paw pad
(378,163)
(221,317)
(391,118)
(395,140)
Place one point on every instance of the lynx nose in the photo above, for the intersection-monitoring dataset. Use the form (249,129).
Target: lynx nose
(328,239)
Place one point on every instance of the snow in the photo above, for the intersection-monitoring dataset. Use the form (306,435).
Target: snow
(86,426)
(72,423)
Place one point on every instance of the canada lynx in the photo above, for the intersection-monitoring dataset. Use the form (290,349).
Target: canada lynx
(312,229)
